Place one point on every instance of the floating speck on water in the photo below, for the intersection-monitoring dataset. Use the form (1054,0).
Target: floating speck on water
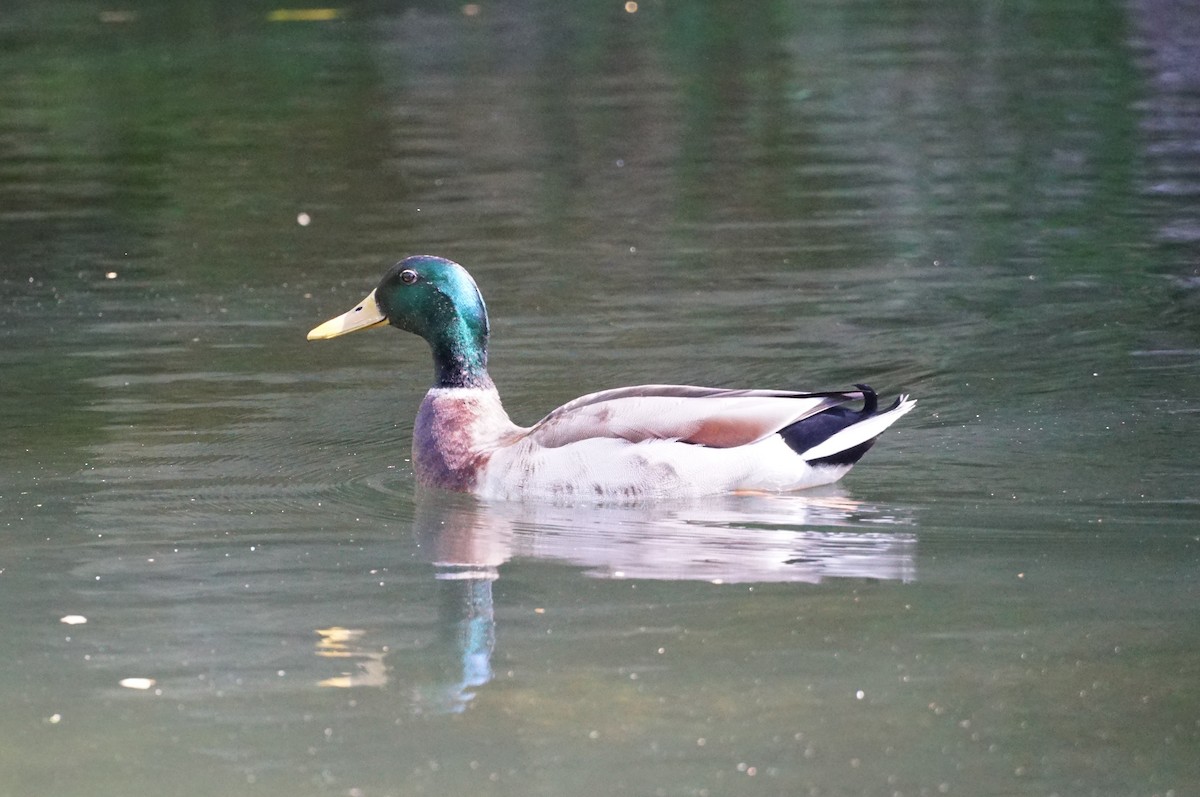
(137,683)
(73,619)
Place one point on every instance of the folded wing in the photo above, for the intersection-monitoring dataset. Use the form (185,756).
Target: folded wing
(713,417)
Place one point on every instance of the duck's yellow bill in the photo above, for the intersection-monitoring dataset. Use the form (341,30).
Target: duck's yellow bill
(364,316)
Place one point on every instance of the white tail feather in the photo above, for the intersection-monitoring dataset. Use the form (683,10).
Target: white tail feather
(860,432)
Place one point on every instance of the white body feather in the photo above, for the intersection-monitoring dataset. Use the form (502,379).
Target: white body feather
(629,443)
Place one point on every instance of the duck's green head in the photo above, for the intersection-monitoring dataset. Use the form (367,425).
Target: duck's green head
(436,299)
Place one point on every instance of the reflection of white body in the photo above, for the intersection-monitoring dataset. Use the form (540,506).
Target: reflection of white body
(732,539)
(738,555)
(766,539)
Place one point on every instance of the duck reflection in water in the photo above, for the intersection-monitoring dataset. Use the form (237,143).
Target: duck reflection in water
(767,539)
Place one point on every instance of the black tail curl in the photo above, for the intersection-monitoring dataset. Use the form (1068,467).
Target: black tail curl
(804,434)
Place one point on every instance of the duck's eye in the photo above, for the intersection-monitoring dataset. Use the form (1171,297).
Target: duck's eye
(408,276)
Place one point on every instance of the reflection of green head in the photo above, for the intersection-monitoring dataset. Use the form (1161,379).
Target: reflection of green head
(437,299)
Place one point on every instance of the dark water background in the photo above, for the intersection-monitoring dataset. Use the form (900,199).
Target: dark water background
(992,205)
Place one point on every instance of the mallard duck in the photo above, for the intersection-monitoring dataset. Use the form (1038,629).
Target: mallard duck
(636,443)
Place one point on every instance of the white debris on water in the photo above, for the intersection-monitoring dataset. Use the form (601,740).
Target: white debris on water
(137,683)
